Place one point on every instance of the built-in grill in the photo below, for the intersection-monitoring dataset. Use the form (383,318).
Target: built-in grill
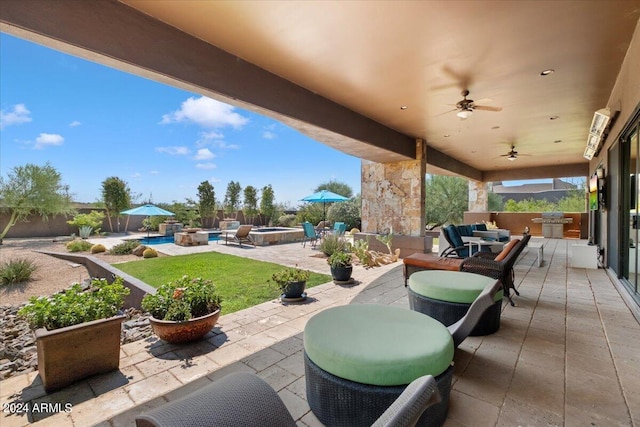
(553,224)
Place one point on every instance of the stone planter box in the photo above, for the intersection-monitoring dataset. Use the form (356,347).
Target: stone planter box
(69,354)
(408,244)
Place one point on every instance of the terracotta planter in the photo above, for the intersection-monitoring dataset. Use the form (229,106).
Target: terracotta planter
(180,332)
(69,354)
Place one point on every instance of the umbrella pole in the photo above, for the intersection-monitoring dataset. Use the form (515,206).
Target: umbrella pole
(126,226)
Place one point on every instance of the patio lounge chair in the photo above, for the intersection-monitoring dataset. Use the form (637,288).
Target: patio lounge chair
(245,399)
(310,234)
(241,234)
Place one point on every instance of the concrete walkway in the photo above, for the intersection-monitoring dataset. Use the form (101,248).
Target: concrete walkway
(567,354)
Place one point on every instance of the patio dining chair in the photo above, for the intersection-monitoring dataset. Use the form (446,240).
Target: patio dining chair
(310,234)
(245,399)
(339,228)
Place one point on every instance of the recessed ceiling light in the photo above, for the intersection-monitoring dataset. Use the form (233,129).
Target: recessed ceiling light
(447,136)
(496,127)
(403,107)
(557,141)
(554,117)
(547,72)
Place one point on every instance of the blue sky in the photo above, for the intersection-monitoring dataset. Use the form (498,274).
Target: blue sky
(92,122)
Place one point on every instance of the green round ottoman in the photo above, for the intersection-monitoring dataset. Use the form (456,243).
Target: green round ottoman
(447,295)
(359,358)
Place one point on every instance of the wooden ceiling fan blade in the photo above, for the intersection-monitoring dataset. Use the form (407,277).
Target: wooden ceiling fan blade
(486,108)
(446,112)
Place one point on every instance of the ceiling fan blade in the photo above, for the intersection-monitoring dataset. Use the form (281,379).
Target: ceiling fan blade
(486,108)
(484,100)
(446,112)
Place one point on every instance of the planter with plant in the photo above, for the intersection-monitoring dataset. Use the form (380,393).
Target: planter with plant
(77,331)
(183,310)
(341,266)
(292,281)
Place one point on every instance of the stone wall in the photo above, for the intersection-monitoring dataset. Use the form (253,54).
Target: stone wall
(393,195)
(478,196)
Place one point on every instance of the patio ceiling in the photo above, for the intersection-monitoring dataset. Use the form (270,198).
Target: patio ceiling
(341,71)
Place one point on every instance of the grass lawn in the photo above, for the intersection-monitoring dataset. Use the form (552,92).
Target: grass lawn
(241,282)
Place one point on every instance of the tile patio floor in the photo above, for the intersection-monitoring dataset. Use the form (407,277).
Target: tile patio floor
(567,354)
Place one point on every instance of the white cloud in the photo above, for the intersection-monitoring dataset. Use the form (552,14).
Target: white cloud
(154,172)
(204,154)
(136,175)
(211,135)
(48,139)
(17,116)
(214,180)
(174,150)
(206,112)
(267,134)
(74,123)
(207,165)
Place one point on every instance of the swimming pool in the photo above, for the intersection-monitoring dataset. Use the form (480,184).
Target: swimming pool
(158,240)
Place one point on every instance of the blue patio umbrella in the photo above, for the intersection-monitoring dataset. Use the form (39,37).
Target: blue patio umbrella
(324,197)
(146,210)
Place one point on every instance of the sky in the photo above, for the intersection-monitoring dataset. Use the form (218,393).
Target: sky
(91,122)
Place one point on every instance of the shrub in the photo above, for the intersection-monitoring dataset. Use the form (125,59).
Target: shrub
(183,299)
(347,212)
(339,259)
(97,248)
(289,274)
(74,306)
(124,248)
(16,271)
(288,220)
(93,219)
(149,253)
(331,243)
(78,246)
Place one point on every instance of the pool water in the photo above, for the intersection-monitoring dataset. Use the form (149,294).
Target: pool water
(158,240)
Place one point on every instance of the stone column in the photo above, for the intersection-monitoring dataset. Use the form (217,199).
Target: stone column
(478,196)
(393,195)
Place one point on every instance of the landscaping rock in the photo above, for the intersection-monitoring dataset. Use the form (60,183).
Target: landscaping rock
(138,250)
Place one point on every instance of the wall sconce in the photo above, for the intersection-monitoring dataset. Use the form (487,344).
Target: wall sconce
(600,172)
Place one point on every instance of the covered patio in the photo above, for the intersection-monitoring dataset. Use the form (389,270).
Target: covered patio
(566,354)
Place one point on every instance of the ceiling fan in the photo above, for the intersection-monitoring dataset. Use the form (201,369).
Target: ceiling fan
(465,107)
(512,154)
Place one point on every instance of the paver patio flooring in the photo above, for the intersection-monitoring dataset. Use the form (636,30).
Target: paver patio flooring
(567,354)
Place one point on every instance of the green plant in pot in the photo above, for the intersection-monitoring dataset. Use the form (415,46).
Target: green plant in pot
(183,310)
(73,320)
(292,281)
(341,266)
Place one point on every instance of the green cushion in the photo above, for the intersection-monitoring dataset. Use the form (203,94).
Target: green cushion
(451,286)
(377,344)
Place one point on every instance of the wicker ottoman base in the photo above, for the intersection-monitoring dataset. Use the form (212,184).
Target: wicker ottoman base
(339,402)
(449,313)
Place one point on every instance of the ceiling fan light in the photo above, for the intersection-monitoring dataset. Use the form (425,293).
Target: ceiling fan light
(512,157)
(464,114)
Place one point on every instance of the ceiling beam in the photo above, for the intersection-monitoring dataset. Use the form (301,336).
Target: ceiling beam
(557,171)
(443,161)
(116,35)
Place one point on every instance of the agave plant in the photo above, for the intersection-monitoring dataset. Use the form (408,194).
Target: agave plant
(85,231)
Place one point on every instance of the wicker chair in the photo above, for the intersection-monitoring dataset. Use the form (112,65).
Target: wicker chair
(502,270)
(244,399)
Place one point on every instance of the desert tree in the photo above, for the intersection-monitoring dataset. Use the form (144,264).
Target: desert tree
(336,187)
(206,201)
(33,189)
(267,206)
(116,196)
(232,197)
(250,201)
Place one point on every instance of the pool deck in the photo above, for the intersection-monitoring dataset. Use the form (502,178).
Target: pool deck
(567,354)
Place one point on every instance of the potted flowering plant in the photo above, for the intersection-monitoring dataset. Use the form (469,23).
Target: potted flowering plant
(77,331)
(183,310)
(292,281)
(341,267)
